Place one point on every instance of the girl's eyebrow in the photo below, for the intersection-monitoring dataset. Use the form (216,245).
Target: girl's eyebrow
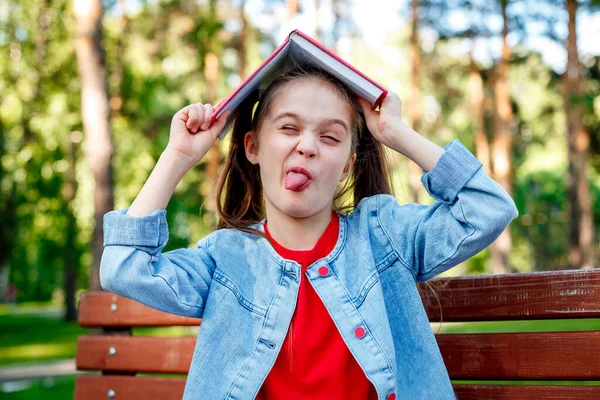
(324,122)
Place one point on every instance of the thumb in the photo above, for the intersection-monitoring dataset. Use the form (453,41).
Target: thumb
(217,126)
(370,114)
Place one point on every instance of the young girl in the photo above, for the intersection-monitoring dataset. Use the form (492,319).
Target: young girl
(299,300)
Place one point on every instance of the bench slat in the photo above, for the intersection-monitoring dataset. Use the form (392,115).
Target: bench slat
(522,356)
(105,309)
(538,295)
(96,387)
(492,356)
(135,354)
(510,392)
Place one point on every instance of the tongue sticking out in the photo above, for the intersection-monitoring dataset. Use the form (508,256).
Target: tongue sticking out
(295,180)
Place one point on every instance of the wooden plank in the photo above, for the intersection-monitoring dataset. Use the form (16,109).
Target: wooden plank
(491,356)
(105,309)
(522,356)
(538,295)
(97,387)
(510,392)
(135,354)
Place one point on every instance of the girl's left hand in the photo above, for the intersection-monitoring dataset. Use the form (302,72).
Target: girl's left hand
(384,123)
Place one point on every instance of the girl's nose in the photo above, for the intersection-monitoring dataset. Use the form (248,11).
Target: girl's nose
(307,146)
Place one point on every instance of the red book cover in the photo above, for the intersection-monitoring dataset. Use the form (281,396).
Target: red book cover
(299,48)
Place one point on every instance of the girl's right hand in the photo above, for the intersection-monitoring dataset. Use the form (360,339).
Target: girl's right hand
(191,134)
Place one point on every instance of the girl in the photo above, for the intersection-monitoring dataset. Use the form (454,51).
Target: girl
(299,300)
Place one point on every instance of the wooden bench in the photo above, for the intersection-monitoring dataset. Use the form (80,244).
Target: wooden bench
(117,356)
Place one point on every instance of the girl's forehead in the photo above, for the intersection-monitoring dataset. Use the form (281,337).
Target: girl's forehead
(310,99)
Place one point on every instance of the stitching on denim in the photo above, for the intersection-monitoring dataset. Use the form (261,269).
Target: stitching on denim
(228,283)
(386,262)
(366,288)
(432,270)
(363,323)
(256,345)
(390,239)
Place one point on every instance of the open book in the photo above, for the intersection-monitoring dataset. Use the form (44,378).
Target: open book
(299,48)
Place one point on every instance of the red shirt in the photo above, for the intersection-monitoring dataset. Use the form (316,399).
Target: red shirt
(314,362)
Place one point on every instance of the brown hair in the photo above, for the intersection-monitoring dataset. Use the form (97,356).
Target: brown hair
(240,185)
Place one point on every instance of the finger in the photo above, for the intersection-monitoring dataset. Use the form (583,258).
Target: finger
(193,117)
(200,109)
(219,123)
(208,111)
(367,108)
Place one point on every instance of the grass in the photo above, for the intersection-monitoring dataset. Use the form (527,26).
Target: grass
(519,326)
(29,337)
(61,388)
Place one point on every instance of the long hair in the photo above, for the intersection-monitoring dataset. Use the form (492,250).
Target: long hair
(239,191)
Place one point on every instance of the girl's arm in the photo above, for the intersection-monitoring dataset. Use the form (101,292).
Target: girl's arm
(132,263)
(190,139)
(471,209)
(387,126)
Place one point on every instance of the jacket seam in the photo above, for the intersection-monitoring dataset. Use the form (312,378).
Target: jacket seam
(366,288)
(201,308)
(431,272)
(406,265)
(373,278)
(388,364)
(256,344)
(228,283)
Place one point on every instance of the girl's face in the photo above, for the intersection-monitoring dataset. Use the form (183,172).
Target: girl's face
(303,148)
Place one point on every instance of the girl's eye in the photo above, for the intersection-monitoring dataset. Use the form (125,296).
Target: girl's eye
(288,128)
(328,137)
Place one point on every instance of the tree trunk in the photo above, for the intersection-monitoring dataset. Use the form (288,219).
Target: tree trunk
(502,146)
(317,27)
(211,73)
(414,109)
(95,115)
(581,225)
(71,257)
(241,42)
(337,20)
(482,145)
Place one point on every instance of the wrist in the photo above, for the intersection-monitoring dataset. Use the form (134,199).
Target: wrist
(177,159)
(177,163)
(399,137)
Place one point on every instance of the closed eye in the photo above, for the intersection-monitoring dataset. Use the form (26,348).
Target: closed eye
(330,138)
(288,128)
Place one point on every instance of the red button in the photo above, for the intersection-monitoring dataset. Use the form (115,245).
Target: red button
(359,332)
(323,271)
(391,396)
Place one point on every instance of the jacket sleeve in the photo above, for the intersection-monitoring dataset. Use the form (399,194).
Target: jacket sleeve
(470,211)
(133,265)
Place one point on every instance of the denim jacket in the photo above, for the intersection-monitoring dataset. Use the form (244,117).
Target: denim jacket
(246,293)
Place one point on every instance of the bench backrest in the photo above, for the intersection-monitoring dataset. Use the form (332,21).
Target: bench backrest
(514,357)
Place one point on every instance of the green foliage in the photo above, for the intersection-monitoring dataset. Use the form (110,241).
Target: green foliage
(155,65)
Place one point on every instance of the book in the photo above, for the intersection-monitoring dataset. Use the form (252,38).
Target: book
(299,49)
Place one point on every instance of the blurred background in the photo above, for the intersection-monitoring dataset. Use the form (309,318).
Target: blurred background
(88,90)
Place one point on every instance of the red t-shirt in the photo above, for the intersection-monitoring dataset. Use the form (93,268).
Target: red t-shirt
(314,362)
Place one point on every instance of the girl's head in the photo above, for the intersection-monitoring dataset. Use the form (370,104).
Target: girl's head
(302,151)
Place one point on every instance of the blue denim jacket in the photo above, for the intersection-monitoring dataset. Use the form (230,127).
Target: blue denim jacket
(246,293)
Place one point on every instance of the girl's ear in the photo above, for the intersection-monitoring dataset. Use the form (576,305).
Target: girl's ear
(348,167)
(251,147)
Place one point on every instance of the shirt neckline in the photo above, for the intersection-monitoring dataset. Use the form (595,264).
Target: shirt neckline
(324,245)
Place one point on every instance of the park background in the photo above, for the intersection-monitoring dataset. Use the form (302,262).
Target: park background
(88,90)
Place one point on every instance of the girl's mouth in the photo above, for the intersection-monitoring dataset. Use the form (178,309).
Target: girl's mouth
(297,179)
